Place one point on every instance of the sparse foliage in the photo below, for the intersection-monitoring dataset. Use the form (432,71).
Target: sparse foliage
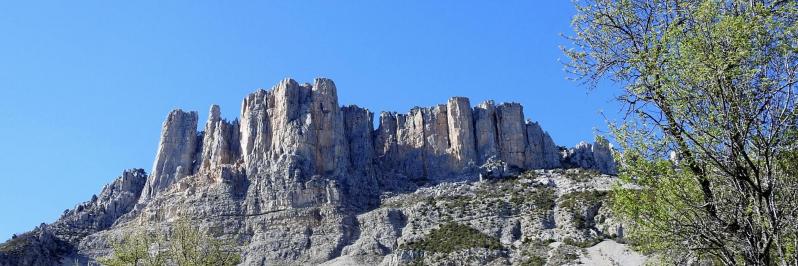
(137,249)
(712,82)
(186,246)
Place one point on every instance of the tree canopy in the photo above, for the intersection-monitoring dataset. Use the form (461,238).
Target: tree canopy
(708,136)
(185,245)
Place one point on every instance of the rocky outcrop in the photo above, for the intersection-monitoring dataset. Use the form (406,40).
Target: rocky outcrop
(436,142)
(332,151)
(220,143)
(410,141)
(486,131)
(297,124)
(512,134)
(56,243)
(255,128)
(596,156)
(461,133)
(301,180)
(39,247)
(176,151)
(296,133)
(361,182)
(542,153)
(116,199)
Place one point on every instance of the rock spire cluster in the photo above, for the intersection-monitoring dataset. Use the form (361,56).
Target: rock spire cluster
(294,133)
(303,180)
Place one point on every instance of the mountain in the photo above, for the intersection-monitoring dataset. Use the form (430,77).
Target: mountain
(298,179)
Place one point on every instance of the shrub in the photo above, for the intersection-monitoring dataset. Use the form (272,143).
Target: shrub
(534,261)
(451,237)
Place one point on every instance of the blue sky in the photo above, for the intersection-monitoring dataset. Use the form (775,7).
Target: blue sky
(85,85)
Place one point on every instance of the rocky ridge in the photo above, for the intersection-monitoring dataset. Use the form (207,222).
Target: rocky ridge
(298,179)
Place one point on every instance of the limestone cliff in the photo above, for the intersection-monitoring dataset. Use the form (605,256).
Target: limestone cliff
(176,152)
(298,179)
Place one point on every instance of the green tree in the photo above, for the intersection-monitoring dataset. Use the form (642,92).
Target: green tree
(186,245)
(708,145)
(190,246)
(134,249)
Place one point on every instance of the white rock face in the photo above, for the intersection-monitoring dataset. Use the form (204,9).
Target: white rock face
(486,131)
(597,156)
(176,150)
(293,145)
(436,142)
(512,134)
(461,133)
(332,151)
(220,144)
(255,127)
(302,180)
(116,199)
(541,153)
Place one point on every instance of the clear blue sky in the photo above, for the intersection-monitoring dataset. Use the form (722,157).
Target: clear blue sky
(85,85)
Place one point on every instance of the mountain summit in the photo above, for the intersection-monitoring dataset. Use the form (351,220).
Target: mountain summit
(298,179)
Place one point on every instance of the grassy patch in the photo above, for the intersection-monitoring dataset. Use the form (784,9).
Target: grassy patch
(451,237)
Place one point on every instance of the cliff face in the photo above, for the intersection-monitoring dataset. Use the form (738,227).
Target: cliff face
(293,178)
(299,146)
(176,152)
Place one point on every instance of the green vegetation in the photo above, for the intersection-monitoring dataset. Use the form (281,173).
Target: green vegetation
(452,237)
(534,261)
(457,202)
(581,175)
(574,200)
(543,198)
(135,250)
(535,250)
(709,146)
(13,244)
(582,244)
(187,246)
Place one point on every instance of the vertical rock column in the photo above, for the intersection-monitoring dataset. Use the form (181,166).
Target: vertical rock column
(436,141)
(255,132)
(288,115)
(332,153)
(176,150)
(290,135)
(512,133)
(385,137)
(486,131)
(358,126)
(220,143)
(542,153)
(461,133)
(410,142)
(361,183)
